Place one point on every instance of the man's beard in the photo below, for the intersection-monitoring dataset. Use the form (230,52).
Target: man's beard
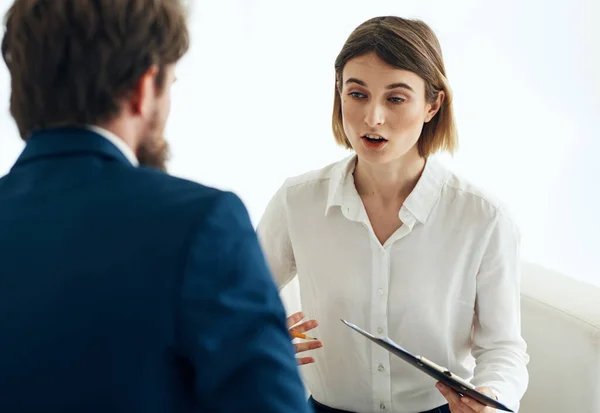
(153,149)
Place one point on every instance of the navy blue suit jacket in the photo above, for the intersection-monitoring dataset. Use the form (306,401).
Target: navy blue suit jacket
(124,289)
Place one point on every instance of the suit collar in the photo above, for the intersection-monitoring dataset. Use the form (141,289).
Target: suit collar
(118,142)
(69,141)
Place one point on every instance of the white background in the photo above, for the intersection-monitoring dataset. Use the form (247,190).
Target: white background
(253,103)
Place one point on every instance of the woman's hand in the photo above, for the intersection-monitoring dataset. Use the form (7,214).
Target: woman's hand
(460,404)
(294,327)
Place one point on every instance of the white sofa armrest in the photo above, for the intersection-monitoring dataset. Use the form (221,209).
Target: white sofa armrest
(561,324)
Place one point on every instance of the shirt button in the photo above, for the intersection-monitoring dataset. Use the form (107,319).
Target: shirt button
(381,368)
(380,330)
(382,406)
(380,291)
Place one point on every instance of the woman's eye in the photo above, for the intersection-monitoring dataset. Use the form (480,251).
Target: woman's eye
(357,94)
(397,100)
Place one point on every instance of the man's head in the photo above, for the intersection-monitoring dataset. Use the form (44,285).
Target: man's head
(108,63)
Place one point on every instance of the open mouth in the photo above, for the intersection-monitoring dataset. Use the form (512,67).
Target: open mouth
(374,138)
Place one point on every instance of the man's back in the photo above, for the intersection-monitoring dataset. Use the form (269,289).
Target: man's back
(125,289)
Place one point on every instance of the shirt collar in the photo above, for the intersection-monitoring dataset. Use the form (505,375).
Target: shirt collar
(118,142)
(428,190)
(341,184)
(420,202)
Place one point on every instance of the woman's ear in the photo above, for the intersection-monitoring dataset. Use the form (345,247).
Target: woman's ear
(433,108)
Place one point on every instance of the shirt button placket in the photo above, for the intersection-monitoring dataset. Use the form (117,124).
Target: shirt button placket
(381,374)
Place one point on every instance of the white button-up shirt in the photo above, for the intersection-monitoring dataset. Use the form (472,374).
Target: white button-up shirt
(444,286)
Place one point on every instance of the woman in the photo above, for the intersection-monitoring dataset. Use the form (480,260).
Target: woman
(395,243)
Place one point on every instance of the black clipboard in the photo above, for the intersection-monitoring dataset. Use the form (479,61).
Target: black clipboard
(439,373)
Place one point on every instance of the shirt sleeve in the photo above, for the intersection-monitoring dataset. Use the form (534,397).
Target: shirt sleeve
(274,236)
(498,348)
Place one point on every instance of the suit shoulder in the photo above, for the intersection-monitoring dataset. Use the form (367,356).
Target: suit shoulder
(183,197)
(159,184)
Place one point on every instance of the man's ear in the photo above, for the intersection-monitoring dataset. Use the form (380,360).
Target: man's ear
(435,106)
(144,91)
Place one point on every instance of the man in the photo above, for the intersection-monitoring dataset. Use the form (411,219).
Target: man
(123,289)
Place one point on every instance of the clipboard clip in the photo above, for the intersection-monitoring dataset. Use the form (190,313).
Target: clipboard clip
(444,370)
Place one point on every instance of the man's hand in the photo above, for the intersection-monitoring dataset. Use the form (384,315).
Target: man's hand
(460,404)
(293,326)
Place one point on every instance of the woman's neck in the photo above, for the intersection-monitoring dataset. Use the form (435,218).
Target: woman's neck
(390,182)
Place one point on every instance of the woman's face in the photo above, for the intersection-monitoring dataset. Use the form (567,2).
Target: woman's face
(383,109)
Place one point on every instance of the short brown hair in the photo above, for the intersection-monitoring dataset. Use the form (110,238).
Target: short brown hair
(409,45)
(72,61)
